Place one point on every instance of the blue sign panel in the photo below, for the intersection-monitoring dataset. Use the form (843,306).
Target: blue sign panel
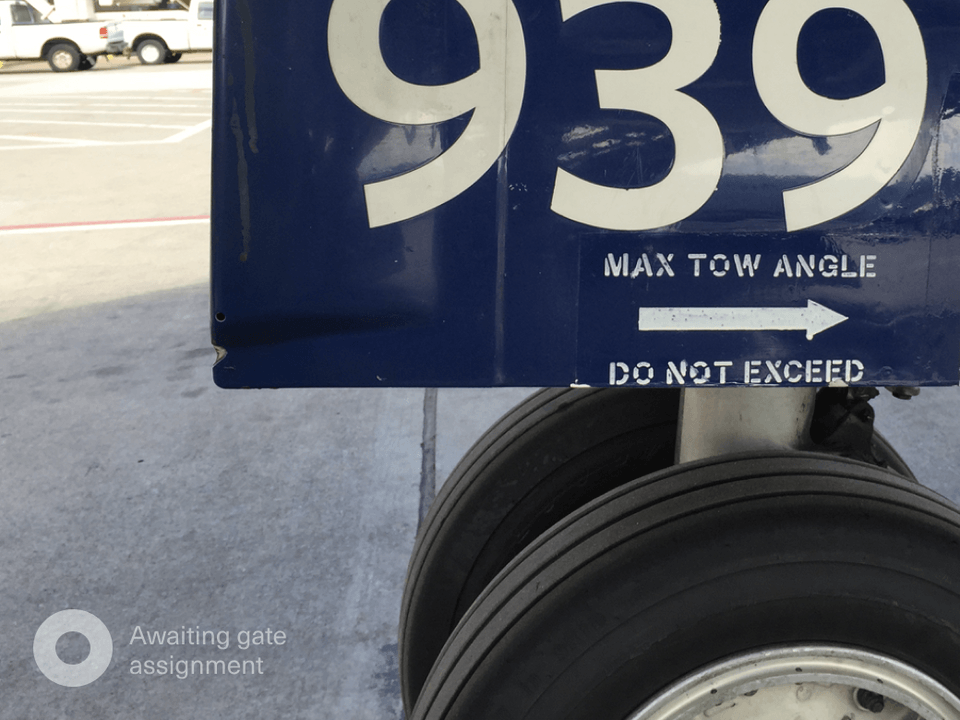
(587,192)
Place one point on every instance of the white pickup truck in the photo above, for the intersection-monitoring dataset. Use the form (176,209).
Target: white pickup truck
(26,35)
(157,31)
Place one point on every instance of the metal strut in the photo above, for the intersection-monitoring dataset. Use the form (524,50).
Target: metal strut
(718,421)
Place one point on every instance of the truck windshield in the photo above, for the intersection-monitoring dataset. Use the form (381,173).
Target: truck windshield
(22,14)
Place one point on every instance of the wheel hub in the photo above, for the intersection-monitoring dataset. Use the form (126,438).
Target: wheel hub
(810,683)
(151,53)
(62,60)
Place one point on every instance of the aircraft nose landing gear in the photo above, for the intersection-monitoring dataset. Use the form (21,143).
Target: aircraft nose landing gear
(718,586)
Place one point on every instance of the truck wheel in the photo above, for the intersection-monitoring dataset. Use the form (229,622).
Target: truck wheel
(151,52)
(549,456)
(742,587)
(63,58)
(173,57)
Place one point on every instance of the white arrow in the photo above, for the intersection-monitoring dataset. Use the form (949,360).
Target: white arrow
(814,318)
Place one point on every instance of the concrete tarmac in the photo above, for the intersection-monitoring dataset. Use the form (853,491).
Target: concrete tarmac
(252,545)
(137,491)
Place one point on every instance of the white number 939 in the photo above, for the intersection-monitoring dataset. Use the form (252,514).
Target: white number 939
(494,94)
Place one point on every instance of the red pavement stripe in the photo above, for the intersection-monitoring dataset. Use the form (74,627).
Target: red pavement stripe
(87,223)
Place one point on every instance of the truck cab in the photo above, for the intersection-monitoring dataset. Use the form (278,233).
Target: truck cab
(11,15)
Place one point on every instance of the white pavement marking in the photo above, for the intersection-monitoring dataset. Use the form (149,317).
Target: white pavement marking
(107,225)
(34,138)
(67,143)
(197,96)
(45,85)
(83,106)
(190,132)
(95,124)
(75,110)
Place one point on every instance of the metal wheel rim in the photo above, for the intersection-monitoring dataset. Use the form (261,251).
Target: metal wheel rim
(150,53)
(746,682)
(62,59)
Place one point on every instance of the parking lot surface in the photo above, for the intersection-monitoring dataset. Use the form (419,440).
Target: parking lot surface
(138,492)
(106,183)
(104,119)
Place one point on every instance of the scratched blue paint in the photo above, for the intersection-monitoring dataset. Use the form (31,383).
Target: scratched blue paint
(495,289)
